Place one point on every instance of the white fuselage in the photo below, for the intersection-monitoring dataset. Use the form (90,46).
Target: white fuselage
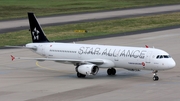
(132,58)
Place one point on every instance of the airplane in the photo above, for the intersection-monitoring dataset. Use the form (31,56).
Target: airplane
(89,58)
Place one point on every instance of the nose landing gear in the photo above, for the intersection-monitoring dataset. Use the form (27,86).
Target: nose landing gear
(155,77)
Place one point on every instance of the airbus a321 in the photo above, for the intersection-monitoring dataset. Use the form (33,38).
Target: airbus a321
(89,58)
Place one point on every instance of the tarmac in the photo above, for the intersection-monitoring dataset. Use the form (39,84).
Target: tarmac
(29,80)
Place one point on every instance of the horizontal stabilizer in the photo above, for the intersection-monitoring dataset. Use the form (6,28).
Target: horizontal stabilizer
(21,47)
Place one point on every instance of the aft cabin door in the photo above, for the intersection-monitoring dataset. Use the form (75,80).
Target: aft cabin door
(148,57)
(42,50)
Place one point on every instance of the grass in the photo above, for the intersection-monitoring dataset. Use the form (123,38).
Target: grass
(94,28)
(18,8)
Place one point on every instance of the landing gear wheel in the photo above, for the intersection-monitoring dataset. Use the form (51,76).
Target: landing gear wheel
(111,71)
(79,75)
(155,78)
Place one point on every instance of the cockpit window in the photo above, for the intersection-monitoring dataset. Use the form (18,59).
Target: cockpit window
(163,56)
(157,57)
(166,56)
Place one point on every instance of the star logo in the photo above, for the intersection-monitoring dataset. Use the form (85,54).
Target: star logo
(35,34)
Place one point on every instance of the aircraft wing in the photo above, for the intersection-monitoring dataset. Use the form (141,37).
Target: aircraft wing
(68,61)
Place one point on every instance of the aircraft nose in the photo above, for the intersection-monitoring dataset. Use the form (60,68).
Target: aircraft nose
(172,64)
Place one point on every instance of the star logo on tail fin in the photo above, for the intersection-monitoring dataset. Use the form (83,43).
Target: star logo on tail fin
(35,34)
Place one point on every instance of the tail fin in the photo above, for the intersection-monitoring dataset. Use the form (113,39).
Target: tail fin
(36,31)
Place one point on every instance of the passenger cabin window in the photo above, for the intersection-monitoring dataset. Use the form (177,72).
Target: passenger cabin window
(163,56)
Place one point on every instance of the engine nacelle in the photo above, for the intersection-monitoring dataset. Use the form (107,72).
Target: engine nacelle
(88,69)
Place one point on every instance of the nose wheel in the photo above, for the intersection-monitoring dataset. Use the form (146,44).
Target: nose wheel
(155,77)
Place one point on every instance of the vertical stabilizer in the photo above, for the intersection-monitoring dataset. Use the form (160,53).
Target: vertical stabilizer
(37,33)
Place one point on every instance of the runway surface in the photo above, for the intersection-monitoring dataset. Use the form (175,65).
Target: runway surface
(15,25)
(29,80)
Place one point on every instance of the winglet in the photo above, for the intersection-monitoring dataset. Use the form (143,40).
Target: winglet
(12,57)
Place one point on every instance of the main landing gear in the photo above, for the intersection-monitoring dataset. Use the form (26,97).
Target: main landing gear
(111,71)
(155,78)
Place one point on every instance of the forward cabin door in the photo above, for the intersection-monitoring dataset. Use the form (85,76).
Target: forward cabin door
(148,57)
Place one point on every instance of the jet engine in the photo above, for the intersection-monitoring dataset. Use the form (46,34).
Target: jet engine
(88,69)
